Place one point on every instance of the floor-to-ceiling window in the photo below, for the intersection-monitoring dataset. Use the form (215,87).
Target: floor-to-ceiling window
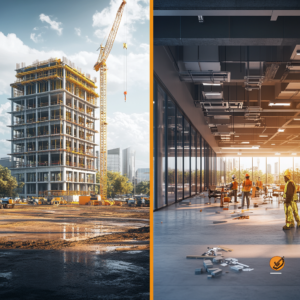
(186,163)
(198,163)
(160,133)
(193,160)
(297,170)
(259,169)
(171,150)
(273,170)
(245,168)
(286,163)
(179,155)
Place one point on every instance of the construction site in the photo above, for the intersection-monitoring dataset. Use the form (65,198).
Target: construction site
(62,237)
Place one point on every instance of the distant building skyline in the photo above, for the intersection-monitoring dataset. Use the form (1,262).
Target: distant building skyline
(114,160)
(128,163)
(142,174)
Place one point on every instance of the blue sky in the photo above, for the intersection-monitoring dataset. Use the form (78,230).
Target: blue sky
(31,30)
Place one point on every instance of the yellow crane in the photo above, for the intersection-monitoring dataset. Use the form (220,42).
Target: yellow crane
(101,65)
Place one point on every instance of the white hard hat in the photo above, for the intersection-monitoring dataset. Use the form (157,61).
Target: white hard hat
(233,176)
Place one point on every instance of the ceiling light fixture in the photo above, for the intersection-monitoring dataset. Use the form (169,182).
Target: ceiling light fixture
(239,153)
(279,104)
(277,153)
(280,130)
(272,144)
(263,135)
(212,94)
(294,153)
(237,136)
(205,83)
(296,119)
(239,148)
(245,143)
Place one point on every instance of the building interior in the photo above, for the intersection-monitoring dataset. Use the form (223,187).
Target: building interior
(226,102)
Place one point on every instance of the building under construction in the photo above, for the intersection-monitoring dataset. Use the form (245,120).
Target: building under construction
(53,129)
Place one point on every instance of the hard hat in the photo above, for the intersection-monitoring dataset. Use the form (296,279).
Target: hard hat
(247,175)
(233,176)
(288,174)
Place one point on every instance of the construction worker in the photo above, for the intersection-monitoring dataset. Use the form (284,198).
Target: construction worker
(290,206)
(259,184)
(247,184)
(234,188)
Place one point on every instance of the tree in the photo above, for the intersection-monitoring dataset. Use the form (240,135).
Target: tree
(143,187)
(9,186)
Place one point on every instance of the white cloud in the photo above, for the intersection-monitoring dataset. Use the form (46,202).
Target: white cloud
(35,28)
(36,37)
(78,31)
(130,130)
(136,12)
(53,24)
(5,118)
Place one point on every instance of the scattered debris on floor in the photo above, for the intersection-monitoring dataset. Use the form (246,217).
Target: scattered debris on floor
(218,222)
(225,249)
(198,256)
(200,210)
(218,212)
(255,205)
(241,218)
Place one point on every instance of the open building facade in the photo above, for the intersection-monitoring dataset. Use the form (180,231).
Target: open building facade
(53,129)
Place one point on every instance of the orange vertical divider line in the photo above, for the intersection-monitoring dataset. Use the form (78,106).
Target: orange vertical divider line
(151,152)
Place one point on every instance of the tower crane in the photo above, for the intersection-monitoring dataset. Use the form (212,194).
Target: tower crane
(101,65)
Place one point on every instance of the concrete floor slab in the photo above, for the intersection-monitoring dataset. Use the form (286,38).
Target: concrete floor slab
(180,231)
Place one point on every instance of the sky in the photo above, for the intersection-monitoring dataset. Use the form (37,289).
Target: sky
(31,30)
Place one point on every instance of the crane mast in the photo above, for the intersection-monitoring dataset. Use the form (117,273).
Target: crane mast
(101,65)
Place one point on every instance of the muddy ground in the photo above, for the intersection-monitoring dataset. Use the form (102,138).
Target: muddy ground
(74,252)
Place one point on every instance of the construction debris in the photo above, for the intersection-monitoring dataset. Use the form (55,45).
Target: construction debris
(224,249)
(207,264)
(209,276)
(218,222)
(217,272)
(224,265)
(199,256)
(242,218)
(236,268)
(217,212)
(255,205)
(217,259)
(248,269)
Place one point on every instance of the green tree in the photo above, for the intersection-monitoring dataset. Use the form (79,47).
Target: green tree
(143,188)
(117,184)
(9,187)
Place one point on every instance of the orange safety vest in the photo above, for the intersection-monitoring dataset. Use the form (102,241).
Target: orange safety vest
(234,185)
(247,184)
(259,183)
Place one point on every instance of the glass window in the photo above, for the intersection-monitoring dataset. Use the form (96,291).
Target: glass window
(186,163)
(297,170)
(31,177)
(259,169)
(193,160)
(245,168)
(273,170)
(56,176)
(198,163)
(171,151)
(232,168)
(286,163)
(160,119)
(179,155)
(202,164)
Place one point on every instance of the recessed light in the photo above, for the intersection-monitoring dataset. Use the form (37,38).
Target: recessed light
(280,130)
(236,136)
(272,144)
(296,119)
(277,153)
(294,153)
(239,148)
(279,104)
(263,136)
(239,153)
(245,143)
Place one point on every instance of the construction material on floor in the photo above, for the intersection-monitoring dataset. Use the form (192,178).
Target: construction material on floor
(218,222)
(242,218)
(199,257)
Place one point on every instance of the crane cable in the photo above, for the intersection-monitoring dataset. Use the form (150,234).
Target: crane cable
(125,56)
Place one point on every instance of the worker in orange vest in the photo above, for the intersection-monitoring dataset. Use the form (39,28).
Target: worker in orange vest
(247,184)
(234,188)
(259,184)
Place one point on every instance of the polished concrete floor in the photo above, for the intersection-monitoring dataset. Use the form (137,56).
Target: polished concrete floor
(181,230)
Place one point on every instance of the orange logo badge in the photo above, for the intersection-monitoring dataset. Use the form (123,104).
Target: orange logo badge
(277,263)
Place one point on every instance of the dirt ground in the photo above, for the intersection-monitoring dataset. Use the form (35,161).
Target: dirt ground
(108,245)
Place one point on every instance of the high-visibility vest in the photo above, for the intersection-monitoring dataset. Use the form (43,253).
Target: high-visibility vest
(295,197)
(234,185)
(247,184)
(259,183)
